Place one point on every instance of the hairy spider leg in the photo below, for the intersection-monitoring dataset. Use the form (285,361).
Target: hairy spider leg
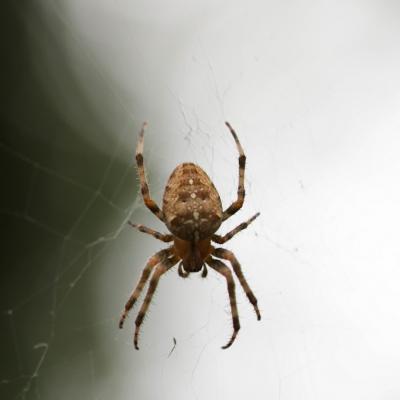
(160,236)
(151,263)
(221,268)
(222,239)
(228,255)
(237,204)
(161,268)
(150,203)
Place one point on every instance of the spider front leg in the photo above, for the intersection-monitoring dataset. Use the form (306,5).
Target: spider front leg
(222,239)
(221,268)
(150,203)
(237,204)
(160,236)
(161,268)
(153,261)
(228,255)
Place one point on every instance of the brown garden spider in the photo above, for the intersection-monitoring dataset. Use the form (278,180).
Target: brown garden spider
(192,212)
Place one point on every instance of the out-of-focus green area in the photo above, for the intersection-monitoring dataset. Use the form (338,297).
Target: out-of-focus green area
(59,194)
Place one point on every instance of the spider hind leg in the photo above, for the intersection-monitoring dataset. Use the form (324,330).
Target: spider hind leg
(237,204)
(148,201)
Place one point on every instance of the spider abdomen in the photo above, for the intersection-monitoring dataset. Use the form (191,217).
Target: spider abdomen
(191,204)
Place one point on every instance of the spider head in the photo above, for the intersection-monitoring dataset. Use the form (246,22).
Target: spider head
(192,261)
(192,253)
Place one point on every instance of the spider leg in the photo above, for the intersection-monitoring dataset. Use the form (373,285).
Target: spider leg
(228,255)
(222,239)
(221,268)
(160,236)
(237,204)
(161,268)
(153,261)
(148,201)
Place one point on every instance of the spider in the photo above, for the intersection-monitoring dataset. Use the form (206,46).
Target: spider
(192,212)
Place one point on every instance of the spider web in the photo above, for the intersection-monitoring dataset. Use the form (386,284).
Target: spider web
(70,117)
(68,249)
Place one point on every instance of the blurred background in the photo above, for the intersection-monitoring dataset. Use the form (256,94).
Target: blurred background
(313,90)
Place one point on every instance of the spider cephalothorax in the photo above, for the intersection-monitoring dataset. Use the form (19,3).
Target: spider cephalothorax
(192,212)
